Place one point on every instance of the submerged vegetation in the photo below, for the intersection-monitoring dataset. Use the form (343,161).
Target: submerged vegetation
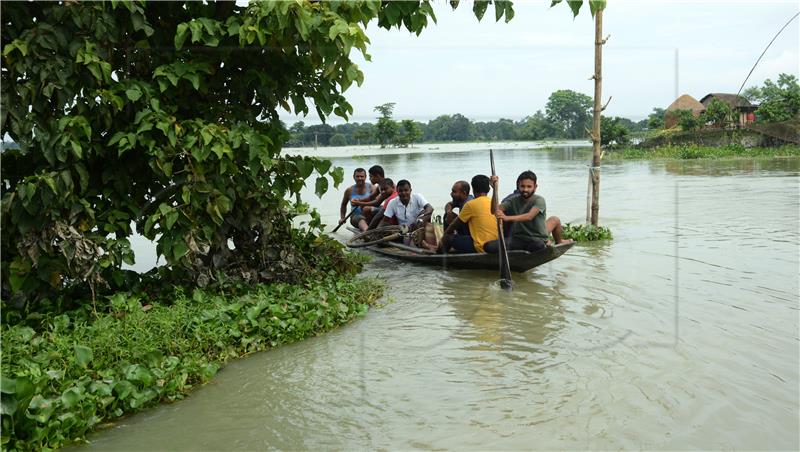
(65,374)
(692,151)
(586,232)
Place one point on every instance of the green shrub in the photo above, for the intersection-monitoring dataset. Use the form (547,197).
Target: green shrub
(586,232)
(62,375)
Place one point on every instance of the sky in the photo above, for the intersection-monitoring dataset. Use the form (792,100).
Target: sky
(487,70)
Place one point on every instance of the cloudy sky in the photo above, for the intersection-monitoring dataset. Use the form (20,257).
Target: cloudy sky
(490,70)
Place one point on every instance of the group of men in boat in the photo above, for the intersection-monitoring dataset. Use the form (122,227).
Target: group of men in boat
(470,220)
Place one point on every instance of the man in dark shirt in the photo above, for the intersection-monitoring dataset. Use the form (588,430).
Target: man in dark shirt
(460,195)
(527,213)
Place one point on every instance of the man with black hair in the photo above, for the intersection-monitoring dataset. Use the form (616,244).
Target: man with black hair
(459,195)
(353,194)
(477,216)
(407,209)
(387,187)
(527,213)
(371,205)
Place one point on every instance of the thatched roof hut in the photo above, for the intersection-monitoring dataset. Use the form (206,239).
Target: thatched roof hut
(685,102)
(740,105)
(736,102)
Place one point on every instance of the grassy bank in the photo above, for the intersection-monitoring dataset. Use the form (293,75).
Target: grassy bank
(701,152)
(64,375)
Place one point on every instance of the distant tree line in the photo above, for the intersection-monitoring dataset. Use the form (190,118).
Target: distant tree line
(567,115)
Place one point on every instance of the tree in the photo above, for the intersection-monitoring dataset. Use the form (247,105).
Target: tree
(364,133)
(318,135)
(165,115)
(687,120)
(655,120)
(338,139)
(410,132)
(717,113)
(778,101)
(386,129)
(537,127)
(614,131)
(451,128)
(297,132)
(569,111)
(753,94)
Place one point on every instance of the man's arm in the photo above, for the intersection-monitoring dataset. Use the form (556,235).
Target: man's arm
(449,215)
(453,226)
(523,217)
(426,213)
(447,232)
(388,213)
(345,201)
(527,216)
(374,199)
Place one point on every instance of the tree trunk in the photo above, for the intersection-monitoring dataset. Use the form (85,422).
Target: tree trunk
(598,86)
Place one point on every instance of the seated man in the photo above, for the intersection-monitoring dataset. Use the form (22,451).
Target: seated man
(460,195)
(360,190)
(477,216)
(407,209)
(371,205)
(526,213)
(387,188)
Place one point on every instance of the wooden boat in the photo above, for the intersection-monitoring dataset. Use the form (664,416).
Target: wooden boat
(520,261)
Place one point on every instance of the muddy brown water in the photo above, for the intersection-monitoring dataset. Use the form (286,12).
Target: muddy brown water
(681,333)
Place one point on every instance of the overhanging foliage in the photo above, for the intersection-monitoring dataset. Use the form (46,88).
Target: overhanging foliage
(164,116)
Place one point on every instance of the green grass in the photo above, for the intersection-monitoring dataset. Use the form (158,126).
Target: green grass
(687,152)
(63,375)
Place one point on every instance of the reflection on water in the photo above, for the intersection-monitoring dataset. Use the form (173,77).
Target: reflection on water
(680,333)
(734,167)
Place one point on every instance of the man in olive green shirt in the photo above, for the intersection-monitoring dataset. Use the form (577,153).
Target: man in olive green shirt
(527,213)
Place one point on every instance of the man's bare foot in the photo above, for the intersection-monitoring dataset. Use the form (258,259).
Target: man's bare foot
(565,241)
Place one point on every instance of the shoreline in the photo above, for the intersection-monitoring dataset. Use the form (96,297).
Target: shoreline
(466,146)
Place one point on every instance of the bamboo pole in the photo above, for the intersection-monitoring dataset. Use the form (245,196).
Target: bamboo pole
(594,171)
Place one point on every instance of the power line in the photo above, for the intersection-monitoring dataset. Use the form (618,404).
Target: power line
(765,51)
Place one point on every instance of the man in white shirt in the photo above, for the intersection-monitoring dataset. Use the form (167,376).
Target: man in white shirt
(407,208)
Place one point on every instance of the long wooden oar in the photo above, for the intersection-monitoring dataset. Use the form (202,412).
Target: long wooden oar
(505,267)
(345,221)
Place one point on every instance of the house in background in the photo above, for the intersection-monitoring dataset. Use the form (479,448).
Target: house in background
(685,102)
(741,106)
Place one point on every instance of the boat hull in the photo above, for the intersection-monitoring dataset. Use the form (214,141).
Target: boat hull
(519,261)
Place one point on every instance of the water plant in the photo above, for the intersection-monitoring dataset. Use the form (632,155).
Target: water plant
(64,375)
(586,232)
(693,151)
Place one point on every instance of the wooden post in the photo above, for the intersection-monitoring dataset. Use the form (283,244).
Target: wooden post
(598,85)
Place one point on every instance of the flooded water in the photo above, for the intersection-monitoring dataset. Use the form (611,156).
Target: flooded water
(681,333)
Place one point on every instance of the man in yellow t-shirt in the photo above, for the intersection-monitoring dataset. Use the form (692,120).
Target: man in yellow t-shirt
(478,215)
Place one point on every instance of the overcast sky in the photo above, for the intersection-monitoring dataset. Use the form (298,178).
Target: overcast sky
(490,70)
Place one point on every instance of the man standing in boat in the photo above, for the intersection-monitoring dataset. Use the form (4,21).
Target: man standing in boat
(527,213)
(361,190)
(408,209)
(477,216)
